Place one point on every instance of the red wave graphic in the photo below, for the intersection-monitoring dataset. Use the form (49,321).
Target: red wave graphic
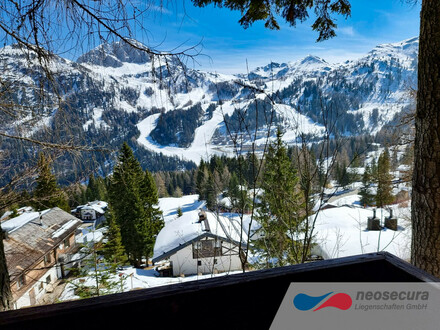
(340,300)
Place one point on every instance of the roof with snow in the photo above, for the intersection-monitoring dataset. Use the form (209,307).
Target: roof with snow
(32,235)
(98,206)
(186,229)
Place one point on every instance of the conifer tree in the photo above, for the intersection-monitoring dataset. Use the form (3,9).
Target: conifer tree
(47,194)
(113,250)
(153,214)
(201,179)
(132,196)
(96,189)
(367,198)
(234,191)
(210,193)
(281,209)
(384,194)
(99,275)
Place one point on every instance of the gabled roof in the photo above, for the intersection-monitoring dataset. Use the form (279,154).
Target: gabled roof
(186,229)
(32,235)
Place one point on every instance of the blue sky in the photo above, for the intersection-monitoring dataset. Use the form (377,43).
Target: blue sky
(228,47)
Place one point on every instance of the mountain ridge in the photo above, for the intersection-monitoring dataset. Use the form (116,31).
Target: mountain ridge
(115,93)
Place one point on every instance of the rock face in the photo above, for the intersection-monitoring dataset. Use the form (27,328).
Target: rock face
(115,55)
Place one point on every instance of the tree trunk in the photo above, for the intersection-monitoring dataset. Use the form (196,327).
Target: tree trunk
(426,178)
(5,288)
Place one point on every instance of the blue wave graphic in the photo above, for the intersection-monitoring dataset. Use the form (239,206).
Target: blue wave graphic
(305,302)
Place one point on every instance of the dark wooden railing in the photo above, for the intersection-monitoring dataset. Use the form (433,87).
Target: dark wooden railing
(241,301)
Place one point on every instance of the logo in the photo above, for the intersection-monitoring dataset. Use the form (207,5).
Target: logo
(304,302)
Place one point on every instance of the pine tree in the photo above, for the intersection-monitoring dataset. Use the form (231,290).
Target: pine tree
(113,250)
(211,193)
(91,190)
(153,214)
(96,189)
(98,274)
(133,196)
(343,177)
(367,198)
(384,194)
(201,180)
(47,194)
(281,209)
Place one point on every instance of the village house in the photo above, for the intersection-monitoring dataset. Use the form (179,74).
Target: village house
(198,242)
(39,249)
(92,212)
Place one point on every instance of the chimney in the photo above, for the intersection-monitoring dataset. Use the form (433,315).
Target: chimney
(373,223)
(391,222)
(202,216)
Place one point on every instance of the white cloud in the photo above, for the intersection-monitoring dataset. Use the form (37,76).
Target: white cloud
(160,9)
(347,31)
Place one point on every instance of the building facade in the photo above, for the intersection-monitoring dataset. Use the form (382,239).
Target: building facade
(39,250)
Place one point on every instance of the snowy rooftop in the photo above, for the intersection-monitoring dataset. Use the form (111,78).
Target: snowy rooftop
(98,206)
(182,230)
(21,220)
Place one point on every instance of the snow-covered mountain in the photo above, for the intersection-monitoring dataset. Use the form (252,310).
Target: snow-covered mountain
(115,93)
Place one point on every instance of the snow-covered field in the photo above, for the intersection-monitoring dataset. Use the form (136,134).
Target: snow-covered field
(342,231)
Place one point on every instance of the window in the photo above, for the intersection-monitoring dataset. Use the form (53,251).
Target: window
(199,262)
(40,287)
(66,243)
(207,249)
(47,259)
(48,279)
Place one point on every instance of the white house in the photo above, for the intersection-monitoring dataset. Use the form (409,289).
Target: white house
(93,212)
(199,242)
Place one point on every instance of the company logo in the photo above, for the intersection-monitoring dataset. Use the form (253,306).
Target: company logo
(304,302)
